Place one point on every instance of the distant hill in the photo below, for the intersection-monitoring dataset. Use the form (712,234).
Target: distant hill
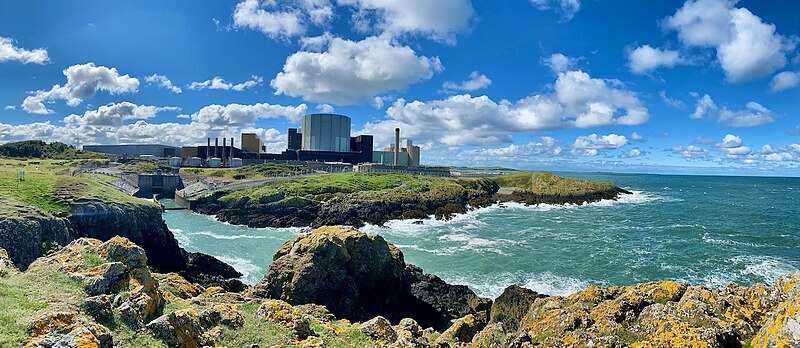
(41,149)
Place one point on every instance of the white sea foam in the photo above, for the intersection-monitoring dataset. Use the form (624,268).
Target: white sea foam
(764,267)
(544,283)
(230,237)
(252,273)
(181,237)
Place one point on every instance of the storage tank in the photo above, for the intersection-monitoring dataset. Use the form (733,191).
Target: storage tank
(236,162)
(194,161)
(175,161)
(325,132)
(215,162)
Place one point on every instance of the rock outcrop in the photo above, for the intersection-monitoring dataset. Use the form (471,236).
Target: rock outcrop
(65,327)
(511,306)
(29,233)
(358,277)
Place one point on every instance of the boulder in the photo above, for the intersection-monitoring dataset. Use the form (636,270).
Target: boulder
(464,329)
(511,306)
(207,270)
(782,327)
(284,314)
(379,329)
(64,327)
(359,277)
(188,328)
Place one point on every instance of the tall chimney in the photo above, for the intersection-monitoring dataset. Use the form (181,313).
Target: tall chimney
(224,148)
(396,146)
(231,154)
(216,147)
(208,149)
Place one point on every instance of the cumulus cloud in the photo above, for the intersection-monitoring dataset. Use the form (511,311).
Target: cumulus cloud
(635,136)
(784,80)
(115,115)
(754,114)
(475,82)
(246,115)
(10,107)
(163,82)
(645,59)
(747,48)
(635,152)
(544,147)
(439,20)
(577,101)
(567,8)
(559,63)
(675,103)
(83,82)
(219,83)
(590,145)
(10,52)
(351,72)
(325,108)
(690,152)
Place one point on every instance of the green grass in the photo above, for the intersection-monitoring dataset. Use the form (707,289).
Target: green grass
(143,166)
(255,331)
(92,260)
(50,187)
(550,184)
(22,295)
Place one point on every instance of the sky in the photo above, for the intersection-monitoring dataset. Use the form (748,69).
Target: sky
(697,86)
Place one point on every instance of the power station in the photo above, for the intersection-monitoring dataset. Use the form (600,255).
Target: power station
(320,138)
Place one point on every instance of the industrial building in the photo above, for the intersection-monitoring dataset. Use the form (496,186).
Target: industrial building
(136,150)
(320,138)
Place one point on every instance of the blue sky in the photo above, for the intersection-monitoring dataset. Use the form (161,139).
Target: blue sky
(700,86)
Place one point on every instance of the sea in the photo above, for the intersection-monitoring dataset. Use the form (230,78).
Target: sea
(707,230)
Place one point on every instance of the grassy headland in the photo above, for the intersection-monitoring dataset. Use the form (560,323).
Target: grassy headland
(358,198)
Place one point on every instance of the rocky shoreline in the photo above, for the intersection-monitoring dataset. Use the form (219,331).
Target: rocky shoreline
(338,287)
(28,236)
(359,208)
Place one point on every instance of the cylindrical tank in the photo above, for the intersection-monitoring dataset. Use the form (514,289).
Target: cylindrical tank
(236,162)
(215,162)
(326,132)
(175,161)
(194,161)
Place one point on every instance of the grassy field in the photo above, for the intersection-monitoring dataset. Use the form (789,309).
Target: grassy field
(254,171)
(50,187)
(550,184)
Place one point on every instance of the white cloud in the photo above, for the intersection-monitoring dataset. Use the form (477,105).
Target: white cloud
(83,82)
(590,145)
(325,108)
(784,80)
(239,115)
(10,107)
(645,59)
(568,8)
(578,101)
(635,136)
(219,83)
(559,63)
(754,114)
(439,20)
(264,17)
(351,72)
(746,47)
(163,82)
(675,103)
(115,115)
(476,81)
(690,152)
(632,153)
(10,52)
(545,147)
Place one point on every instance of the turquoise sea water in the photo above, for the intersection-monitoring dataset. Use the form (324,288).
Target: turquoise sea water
(705,230)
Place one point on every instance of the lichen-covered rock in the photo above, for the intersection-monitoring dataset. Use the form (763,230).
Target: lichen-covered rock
(782,327)
(492,336)
(175,288)
(358,277)
(188,328)
(512,305)
(379,329)
(64,327)
(464,329)
(28,232)
(122,270)
(6,265)
(671,325)
(284,314)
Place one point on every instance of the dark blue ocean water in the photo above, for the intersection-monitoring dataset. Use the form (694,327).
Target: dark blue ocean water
(701,229)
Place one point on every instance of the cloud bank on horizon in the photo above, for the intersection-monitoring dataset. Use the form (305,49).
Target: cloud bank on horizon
(706,84)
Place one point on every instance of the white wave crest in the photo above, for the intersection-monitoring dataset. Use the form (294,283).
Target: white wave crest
(252,273)
(230,237)
(544,283)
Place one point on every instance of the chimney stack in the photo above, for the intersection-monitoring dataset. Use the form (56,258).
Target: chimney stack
(224,148)
(231,154)
(396,146)
(216,147)
(208,150)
